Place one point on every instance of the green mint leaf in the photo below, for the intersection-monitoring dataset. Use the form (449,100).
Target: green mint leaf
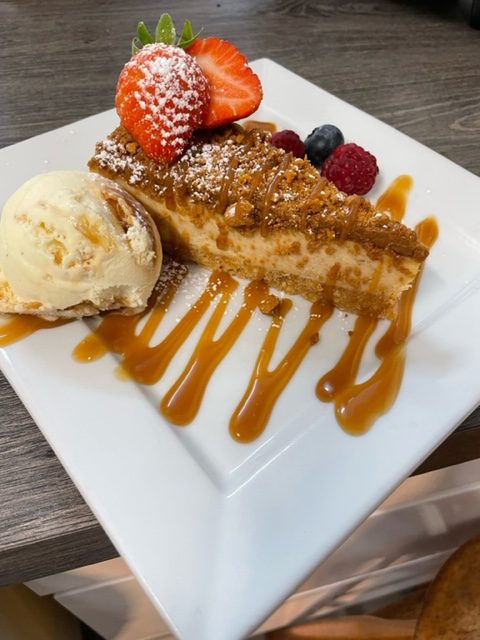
(165,31)
(144,34)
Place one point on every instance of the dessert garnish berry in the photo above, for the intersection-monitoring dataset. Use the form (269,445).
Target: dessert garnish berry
(321,142)
(165,92)
(290,141)
(351,168)
(235,90)
(162,94)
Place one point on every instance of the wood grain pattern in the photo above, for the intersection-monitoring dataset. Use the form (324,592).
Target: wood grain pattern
(413,64)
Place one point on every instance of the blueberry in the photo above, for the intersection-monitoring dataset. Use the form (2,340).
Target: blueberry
(321,142)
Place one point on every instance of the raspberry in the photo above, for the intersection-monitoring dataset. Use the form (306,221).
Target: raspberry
(289,141)
(351,168)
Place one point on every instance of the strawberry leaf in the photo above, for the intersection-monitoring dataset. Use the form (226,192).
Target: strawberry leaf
(144,34)
(187,36)
(165,31)
(187,32)
(136,45)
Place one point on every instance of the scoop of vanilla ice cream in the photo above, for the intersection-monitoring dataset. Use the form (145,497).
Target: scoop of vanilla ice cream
(74,243)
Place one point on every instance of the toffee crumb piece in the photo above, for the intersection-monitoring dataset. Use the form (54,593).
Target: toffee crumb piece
(240,214)
(269,304)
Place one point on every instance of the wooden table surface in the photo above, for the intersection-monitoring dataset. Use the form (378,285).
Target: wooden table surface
(413,64)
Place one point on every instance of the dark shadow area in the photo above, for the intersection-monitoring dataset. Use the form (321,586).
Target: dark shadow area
(452,10)
(471,9)
(89,634)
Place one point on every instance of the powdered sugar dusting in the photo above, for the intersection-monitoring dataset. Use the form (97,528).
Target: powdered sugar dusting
(235,165)
(166,100)
(114,156)
(173,272)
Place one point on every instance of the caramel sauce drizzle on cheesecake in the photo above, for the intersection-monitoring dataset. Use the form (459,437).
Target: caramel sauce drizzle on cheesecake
(258,124)
(227,178)
(357,405)
(270,192)
(353,204)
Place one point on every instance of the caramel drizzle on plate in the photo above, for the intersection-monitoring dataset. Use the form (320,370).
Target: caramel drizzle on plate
(265,386)
(181,403)
(394,199)
(18,327)
(357,405)
(141,361)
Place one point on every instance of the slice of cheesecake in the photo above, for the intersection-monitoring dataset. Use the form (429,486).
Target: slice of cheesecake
(235,202)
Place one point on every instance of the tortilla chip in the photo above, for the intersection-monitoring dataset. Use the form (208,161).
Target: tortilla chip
(451,609)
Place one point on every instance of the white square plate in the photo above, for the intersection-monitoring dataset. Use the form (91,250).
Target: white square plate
(220,533)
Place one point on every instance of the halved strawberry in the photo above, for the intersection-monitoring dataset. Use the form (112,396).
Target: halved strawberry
(235,90)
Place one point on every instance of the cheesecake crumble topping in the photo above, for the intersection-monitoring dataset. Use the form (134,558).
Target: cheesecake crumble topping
(252,184)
